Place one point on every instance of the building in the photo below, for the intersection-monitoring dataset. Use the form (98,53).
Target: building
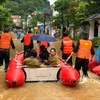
(94,21)
(16,19)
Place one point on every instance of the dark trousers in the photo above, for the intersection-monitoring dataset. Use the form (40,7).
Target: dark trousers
(82,63)
(65,56)
(26,51)
(5,55)
(1,60)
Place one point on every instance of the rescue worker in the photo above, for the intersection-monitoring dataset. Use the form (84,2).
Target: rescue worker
(67,46)
(84,52)
(6,41)
(28,43)
(46,44)
(1,60)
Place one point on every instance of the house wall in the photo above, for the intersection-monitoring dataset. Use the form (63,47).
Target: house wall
(91,30)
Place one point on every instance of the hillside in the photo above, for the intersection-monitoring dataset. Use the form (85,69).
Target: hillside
(24,7)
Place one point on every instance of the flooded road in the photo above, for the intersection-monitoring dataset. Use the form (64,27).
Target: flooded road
(89,90)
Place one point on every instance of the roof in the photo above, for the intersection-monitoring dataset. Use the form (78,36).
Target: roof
(93,17)
(15,16)
(45,11)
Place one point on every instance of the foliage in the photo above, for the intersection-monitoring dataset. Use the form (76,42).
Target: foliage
(71,11)
(81,12)
(57,20)
(2,1)
(93,7)
(21,7)
(76,11)
(58,35)
(37,18)
(96,41)
(5,18)
(61,6)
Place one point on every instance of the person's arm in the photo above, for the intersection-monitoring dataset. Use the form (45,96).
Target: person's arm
(73,45)
(92,50)
(74,50)
(22,40)
(61,48)
(76,47)
(48,44)
(38,41)
(31,45)
(92,53)
(70,56)
(13,46)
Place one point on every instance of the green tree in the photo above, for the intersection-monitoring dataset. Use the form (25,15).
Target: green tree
(81,12)
(61,6)
(5,18)
(2,1)
(23,7)
(37,18)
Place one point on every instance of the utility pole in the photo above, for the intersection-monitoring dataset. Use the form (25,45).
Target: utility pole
(44,22)
(62,21)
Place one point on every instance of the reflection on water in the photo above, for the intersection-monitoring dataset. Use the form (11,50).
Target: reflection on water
(89,90)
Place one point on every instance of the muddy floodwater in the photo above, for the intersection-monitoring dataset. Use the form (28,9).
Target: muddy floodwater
(89,90)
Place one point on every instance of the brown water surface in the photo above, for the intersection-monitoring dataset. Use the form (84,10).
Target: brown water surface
(89,90)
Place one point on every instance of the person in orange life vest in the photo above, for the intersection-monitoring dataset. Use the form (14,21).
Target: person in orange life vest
(1,60)
(46,44)
(84,52)
(6,41)
(28,43)
(67,47)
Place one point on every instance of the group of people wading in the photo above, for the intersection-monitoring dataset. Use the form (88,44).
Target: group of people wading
(83,51)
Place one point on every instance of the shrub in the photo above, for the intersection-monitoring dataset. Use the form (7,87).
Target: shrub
(96,41)
(77,37)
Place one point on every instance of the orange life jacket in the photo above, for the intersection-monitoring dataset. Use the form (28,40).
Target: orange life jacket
(5,41)
(0,42)
(27,39)
(67,45)
(43,43)
(84,51)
